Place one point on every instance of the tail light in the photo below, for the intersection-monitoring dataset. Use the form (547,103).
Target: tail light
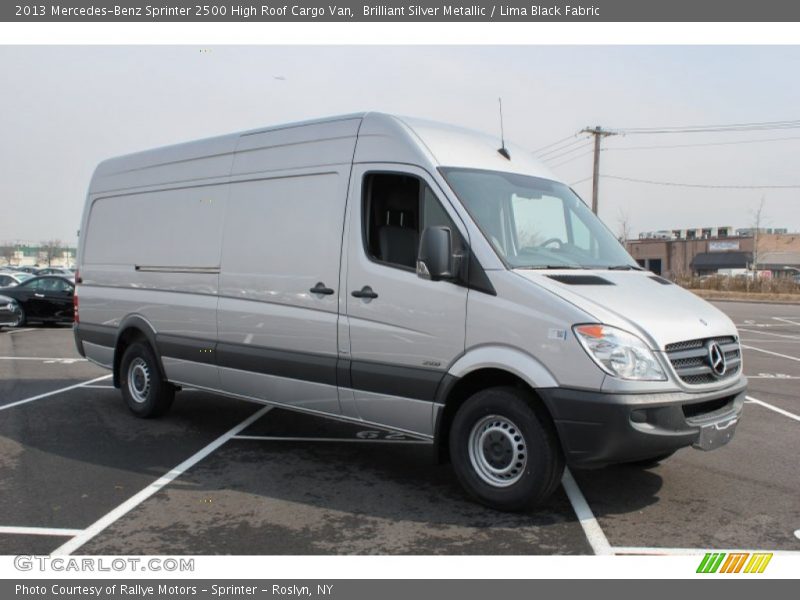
(75,298)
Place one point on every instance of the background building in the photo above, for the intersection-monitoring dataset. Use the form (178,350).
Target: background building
(50,254)
(707,250)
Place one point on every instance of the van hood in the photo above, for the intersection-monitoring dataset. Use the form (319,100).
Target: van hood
(636,301)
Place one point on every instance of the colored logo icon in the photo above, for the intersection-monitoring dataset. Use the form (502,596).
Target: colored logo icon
(734,562)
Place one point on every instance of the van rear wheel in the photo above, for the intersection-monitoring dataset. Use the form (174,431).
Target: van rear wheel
(504,454)
(145,391)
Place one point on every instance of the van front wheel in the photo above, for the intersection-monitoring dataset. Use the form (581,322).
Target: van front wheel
(145,391)
(504,454)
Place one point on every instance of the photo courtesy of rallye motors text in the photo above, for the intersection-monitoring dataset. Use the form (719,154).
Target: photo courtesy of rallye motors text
(144,591)
(97,591)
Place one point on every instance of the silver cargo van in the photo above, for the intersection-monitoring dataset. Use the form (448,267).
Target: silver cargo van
(406,274)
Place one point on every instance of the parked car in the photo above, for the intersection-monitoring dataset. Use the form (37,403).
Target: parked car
(61,272)
(31,270)
(46,299)
(10,279)
(405,274)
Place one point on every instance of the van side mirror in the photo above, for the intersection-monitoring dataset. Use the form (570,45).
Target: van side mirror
(435,256)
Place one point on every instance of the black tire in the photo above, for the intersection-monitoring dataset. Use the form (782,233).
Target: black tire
(144,389)
(22,319)
(485,427)
(649,463)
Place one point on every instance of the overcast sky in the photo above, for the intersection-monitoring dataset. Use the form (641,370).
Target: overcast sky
(64,109)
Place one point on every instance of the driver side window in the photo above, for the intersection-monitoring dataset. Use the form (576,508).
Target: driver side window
(397,209)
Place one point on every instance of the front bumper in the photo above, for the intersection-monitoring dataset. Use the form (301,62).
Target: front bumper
(597,429)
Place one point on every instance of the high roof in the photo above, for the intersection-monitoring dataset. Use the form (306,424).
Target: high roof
(381,138)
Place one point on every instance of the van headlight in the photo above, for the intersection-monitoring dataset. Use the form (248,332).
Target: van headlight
(619,353)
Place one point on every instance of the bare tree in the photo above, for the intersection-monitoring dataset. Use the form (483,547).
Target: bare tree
(757,216)
(7,252)
(50,250)
(624,222)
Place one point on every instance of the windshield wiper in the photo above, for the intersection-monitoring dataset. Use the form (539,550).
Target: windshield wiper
(624,268)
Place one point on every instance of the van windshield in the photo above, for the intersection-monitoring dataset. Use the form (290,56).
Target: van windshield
(536,223)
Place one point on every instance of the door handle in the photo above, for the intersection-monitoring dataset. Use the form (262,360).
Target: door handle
(365,292)
(39,295)
(321,288)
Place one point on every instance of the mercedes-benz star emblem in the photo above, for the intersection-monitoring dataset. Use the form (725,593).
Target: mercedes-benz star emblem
(716,358)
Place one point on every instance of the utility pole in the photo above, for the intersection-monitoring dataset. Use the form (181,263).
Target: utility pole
(598,133)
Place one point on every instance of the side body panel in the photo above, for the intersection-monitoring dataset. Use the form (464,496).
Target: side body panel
(150,246)
(282,239)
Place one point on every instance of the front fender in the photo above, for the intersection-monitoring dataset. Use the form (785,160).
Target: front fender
(505,358)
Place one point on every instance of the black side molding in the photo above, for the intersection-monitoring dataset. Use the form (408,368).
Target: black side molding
(417,383)
(315,368)
(393,380)
(102,335)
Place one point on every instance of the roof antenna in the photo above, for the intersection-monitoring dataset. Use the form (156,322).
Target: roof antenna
(502,149)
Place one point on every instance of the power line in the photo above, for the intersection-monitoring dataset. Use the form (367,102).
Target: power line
(702,185)
(567,153)
(733,127)
(561,147)
(704,144)
(569,137)
(569,160)
(580,181)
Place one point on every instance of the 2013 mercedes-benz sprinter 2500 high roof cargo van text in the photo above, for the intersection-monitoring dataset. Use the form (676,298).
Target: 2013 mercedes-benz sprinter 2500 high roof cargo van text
(405,274)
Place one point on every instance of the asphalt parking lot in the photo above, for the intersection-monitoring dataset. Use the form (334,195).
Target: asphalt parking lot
(79,474)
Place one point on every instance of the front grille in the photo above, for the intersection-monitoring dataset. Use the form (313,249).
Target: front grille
(691,359)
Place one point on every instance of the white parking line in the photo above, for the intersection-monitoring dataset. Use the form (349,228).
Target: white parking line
(53,393)
(780,411)
(44,359)
(770,352)
(591,528)
(267,438)
(40,531)
(21,331)
(763,341)
(100,387)
(780,335)
(789,321)
(655,551)
(135,500)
